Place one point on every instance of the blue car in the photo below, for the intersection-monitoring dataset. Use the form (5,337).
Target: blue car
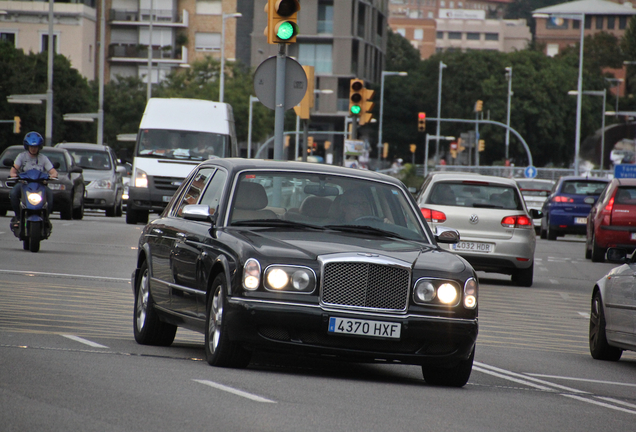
(566,209)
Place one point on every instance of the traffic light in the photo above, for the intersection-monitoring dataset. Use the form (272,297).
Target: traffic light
(413,148)
(482,145)
(367,106)
(460,147)
(356,90)
(16,124)
(385,150)
(421,122)
(287,138)
(479,105)
(281,21)
(303,110)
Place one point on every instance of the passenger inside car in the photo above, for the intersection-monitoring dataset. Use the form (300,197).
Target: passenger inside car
(250,202)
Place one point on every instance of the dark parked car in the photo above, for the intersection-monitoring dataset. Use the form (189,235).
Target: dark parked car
(566,209)
(613,313)
(68,191)
(612,220)
(305,258)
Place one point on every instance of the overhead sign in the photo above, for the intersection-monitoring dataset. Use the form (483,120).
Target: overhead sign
(462,14)
(625,171)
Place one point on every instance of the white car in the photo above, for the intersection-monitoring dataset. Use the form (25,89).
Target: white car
(613,314)
(535,192)
(496,230)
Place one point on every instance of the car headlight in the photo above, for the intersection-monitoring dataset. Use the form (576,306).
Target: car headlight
(141,178)
(251,274)
(290,278)
(470,294)
(102,184)
(34,198)
(436,292)
(57,186)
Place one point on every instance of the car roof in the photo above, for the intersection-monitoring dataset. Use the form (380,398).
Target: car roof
(625,181)
(82,146)
(462,176)
(241,164)
(568,178)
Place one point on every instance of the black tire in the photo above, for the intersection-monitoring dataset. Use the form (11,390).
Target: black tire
(78,212)
(456,376)
(25,244)
(120,208)
(598,253)
(66,213)
(136,216)
(599,347)
(523,277)
(588,251)
(543,234)
(219,350)
(35,235)
(148,328)
(552,234)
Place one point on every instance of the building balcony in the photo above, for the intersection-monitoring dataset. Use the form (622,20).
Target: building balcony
(141,17)
(136,53)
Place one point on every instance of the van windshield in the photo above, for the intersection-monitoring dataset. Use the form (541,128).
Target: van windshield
(176,144)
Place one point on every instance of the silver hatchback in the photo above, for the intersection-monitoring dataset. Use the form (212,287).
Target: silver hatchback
(495,227)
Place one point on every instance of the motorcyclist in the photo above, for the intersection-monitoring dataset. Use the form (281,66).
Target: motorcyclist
(28,160)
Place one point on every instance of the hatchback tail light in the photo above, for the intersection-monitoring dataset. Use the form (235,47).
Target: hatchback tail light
(518,221)
(562,199)
(433,215)
(607,212)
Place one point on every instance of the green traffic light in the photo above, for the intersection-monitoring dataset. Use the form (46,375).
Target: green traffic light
(285,30)
(355,109)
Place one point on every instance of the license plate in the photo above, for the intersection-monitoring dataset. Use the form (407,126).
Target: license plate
(166,198)
(357,327)
(474,247)
(633,236)
(580,220)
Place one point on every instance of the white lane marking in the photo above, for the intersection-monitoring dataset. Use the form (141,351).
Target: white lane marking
(605,405)
(234,391)
(554,281)
(84,341)
(529,380)
(564,296)
(509,378)
(584,314)
(32,273)
(583,380)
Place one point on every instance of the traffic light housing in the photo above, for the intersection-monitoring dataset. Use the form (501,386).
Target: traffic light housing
(413,148)
(367,105)
(482,145)
(421,122)
(282,17)
(303,110)
(356,96)
(385,150)
(16,124)
(479,105)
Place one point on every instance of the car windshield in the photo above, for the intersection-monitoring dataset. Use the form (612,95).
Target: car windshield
(332,202)
(175,144)
(583,187)
(475,194)
(91,159)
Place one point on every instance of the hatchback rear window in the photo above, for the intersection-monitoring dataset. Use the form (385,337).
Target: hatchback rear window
(475,194)
(583,187)
(625,195)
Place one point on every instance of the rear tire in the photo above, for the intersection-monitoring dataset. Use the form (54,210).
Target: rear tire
(78,213)
(456,376)
(599,347)
(598,253)
(148,328)
(552,234)
(523,277)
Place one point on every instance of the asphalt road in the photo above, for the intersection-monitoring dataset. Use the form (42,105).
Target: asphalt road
(68,359)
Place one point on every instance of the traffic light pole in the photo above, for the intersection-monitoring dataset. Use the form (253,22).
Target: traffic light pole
(354,128)
(305,139)
(279,111)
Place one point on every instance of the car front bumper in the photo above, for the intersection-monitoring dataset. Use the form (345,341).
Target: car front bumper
(99,198)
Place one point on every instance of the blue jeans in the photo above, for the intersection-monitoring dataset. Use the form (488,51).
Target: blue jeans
(16,195)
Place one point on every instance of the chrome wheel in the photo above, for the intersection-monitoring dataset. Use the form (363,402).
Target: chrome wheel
(142,302)
(215,321)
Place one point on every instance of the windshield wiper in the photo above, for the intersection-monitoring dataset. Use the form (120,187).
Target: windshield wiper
(276,223)
(365,229)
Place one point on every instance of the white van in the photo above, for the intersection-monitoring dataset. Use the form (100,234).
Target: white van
(174,136)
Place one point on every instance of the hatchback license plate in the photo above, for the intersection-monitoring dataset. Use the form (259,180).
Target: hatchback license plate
(474,247)
(581,221)
(633,236)
(357,327)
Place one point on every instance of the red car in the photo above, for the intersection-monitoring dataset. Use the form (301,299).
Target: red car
(612,220)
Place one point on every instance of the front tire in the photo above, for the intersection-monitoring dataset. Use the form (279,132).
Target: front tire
(456,376)
(35,235)
(219,350)
(148,328)
(552,234)
(599,347)
(78,213)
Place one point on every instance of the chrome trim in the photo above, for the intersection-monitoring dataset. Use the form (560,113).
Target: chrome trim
(458,286)
(179,287)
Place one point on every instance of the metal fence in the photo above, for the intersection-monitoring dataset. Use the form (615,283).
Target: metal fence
(516,172)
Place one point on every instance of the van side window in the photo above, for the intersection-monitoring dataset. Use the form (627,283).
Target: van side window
(213,192)
(194,189)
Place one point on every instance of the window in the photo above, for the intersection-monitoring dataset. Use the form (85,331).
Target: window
(209,7)
(317,55)
(622,22)
(576,24)
(610,22)
(325,17)
(8,37)
(45,43)
(599,23)
(193,192)
(207,41)
(454,35)
(588,22)
(418,34)
(401,31)
(472,36)
(552,50)
(440,35)
(213,192)
(492,36)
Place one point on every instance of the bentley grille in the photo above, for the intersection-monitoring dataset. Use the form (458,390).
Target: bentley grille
(365,285)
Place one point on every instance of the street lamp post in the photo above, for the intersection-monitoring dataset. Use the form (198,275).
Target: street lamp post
(509,78)
(149,82)
(249,129)
(439,109)
(602,93)
(48,133)
(384,73)
(222,73)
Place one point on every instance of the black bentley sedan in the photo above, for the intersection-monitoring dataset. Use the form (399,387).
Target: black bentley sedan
(305,258)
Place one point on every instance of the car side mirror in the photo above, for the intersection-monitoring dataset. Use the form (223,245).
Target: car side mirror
(198,212)
(446,235)
(121,169)
(617,255)
(76,170)
(56,165)
(7,162)
(536,214)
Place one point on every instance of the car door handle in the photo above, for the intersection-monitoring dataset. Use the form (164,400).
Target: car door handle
(157,231)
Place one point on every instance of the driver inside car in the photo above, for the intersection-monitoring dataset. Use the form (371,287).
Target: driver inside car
(355,205)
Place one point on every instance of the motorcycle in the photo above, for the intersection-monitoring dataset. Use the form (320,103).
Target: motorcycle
(34,223)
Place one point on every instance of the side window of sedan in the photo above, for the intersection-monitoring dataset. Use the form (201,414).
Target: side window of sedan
(194,189)
(213,192)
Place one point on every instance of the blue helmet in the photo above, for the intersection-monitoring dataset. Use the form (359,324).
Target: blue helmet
(33,139)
